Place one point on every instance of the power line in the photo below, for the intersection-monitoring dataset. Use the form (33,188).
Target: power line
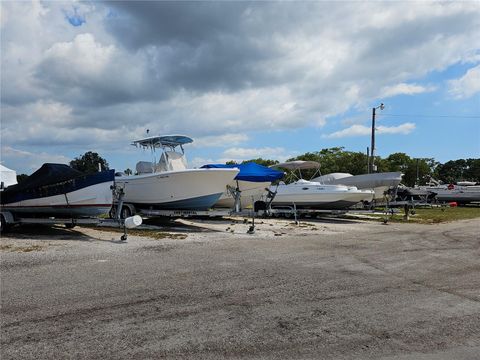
(432,116)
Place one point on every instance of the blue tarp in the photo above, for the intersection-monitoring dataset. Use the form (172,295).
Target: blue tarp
(251,172)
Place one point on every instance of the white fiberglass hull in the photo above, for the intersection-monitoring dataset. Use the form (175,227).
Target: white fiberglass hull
(314,195)
(379,182)
(190,189)
(250,192)
(93,200)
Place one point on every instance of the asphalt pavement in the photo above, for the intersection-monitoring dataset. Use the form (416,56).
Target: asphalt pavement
(321,290)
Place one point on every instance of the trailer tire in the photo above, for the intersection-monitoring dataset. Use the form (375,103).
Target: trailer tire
(4,227)
(126,212)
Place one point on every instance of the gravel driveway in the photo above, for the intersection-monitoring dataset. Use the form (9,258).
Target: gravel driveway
(324,289)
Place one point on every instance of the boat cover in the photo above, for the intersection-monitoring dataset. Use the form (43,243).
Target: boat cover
(53,179)
(250,172)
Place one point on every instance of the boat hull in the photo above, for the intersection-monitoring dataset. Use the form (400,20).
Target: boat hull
(190,189)
(379,182)
(459,194)
(317,196)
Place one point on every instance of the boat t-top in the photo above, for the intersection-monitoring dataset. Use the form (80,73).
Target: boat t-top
(168,183)
(315,195)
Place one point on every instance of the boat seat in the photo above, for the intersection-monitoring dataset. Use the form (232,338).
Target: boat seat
(144,167)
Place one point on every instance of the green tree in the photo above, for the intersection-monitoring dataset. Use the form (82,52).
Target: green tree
(128,172)
(398,162)
(457,170)
(21,178)
(88,163)
(451,171)
(260,161)
(418,172)
(472,173)
(336,159)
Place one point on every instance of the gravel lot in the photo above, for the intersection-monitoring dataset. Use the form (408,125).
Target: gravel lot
(323,289)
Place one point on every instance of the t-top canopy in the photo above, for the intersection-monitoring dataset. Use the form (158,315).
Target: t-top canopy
(251,172)
(297,165)
(167,140)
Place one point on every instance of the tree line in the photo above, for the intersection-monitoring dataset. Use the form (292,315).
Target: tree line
(417,171)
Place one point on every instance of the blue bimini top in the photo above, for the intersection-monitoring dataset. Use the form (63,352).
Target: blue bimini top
(250,172)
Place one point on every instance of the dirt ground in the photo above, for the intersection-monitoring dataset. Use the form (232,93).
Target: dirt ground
(325,289)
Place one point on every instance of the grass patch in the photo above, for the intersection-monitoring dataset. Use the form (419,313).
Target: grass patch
(158,235)
(24,249)
(436,215)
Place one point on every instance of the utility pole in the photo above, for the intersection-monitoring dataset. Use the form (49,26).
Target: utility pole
(373,168)
(416,179)
(368,160)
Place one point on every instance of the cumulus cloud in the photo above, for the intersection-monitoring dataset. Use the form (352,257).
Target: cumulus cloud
(32,160)
(224,140)
(212,69)
(466,86)
(361,130)
(405,89)
(238,153)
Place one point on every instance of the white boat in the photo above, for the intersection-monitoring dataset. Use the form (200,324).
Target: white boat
(462,193)
(8,177)
(379,182)
(312,194)
(57,189)
(250,185)
(168,184)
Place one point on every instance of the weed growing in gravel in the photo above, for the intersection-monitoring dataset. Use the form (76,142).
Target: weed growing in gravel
(157,235)
(24,249)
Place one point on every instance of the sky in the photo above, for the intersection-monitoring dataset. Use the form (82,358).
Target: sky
(243,79)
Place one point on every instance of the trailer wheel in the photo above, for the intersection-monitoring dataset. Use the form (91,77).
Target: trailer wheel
(125,213)
(4,227)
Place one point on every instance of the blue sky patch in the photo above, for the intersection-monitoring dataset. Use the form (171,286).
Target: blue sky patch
(75,19)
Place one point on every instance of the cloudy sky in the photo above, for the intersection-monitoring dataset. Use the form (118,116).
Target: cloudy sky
(244,79)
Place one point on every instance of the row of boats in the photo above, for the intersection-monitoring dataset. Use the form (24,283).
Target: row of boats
(167,183)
